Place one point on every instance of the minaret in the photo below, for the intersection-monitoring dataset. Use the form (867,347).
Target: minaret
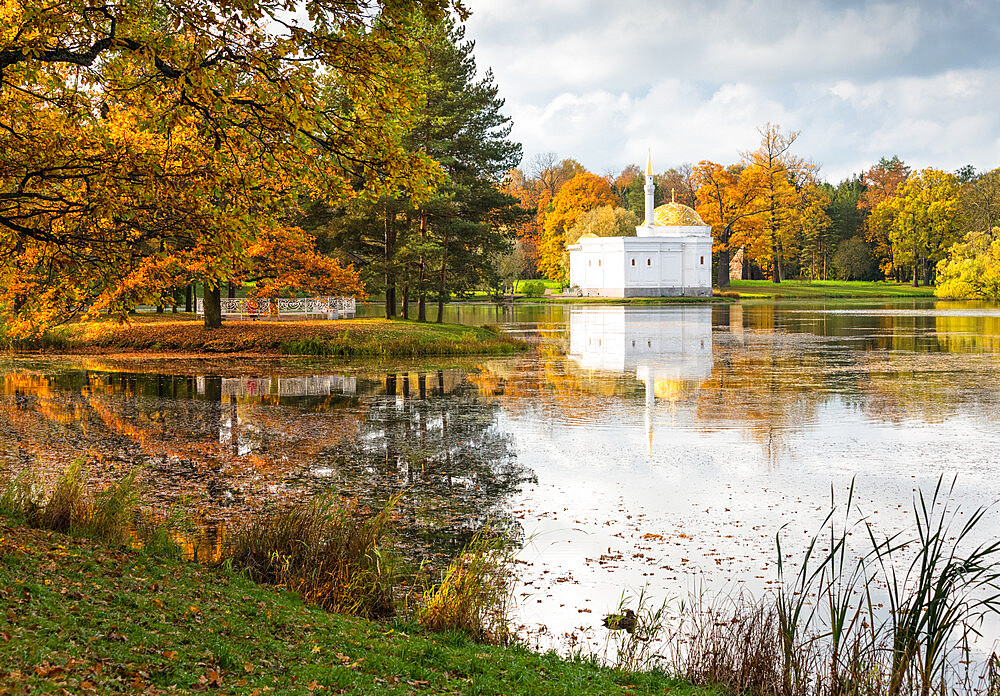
(650,190)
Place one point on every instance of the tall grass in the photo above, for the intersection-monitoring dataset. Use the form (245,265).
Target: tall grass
(944,594)
(824,633)
(326,550)
(731,642)
(635,649)
(472,342)
(475,593)
(109,515)
(22,500)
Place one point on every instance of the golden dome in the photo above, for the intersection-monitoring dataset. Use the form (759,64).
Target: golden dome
(676,214)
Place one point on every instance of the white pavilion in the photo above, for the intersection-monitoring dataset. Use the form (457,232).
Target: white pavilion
(670,255)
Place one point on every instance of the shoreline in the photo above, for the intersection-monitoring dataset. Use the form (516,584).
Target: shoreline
(92,625)
(371,338)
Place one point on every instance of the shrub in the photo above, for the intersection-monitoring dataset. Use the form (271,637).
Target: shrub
(853,260)
(533,288)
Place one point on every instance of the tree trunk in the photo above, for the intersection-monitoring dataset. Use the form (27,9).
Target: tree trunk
(390,302)
(915,284)
(422,274)
(775,258)
(188,297)
(159,307)
(390,279)
(722,274)
(20,299)
(405,305)
(441,280)
(213,305)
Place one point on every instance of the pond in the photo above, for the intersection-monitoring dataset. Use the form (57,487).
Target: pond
(634,447)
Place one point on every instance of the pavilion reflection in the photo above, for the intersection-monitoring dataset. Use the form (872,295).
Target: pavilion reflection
(668,348)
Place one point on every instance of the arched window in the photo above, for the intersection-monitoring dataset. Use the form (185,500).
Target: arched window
(598,262)
(649,262)
(702,260)
(633,262)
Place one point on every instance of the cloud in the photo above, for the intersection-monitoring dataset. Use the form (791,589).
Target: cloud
(861,80)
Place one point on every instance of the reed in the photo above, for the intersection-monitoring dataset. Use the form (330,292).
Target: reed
(326,550)
(635,649)
(109,515)
(732,643)
(66,508)
(475,593)
(944,595)
(22,500)
(112,515)
(823,633)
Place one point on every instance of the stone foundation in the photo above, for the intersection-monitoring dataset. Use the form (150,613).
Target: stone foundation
(647,292)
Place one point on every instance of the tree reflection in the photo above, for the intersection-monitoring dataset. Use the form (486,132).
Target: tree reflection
(435,441)
(228,446)
(774,368)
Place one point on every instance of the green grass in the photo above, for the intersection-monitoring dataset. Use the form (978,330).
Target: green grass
(548,284)
(373,338)
(80,617)
(627,300)
(826,288)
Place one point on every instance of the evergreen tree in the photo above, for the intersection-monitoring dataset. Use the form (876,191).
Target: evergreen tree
(415,248)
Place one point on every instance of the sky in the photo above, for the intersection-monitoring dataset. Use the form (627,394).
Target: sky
(603,81)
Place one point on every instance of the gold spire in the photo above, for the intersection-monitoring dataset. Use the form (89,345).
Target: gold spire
(649,163)
(673,197)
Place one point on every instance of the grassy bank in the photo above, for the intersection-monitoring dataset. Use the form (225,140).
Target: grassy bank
(344,338)
(826,288)
(81,617)
(625,301)
(765,289)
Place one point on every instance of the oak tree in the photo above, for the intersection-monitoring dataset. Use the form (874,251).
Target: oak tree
(139,135)
(580,194)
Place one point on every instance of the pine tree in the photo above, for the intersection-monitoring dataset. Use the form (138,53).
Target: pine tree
(415,248)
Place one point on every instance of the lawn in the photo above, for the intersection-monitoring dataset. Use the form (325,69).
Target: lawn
(827,288)
(84,618)
(340,338)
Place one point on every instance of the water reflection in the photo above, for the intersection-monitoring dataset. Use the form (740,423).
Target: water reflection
(441,450)
(226,446)
(668,349)
(757,411)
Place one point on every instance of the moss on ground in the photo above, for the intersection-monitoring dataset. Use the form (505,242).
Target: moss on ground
(80,617)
